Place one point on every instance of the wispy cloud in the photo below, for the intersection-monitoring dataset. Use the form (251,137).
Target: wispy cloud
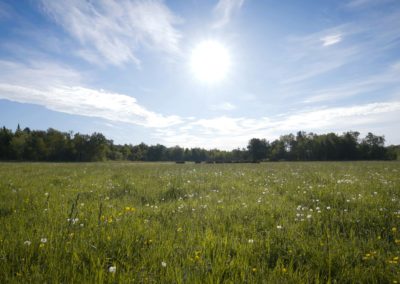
(349,116)
(367,3)
(114,30)
(38,74)
(225,106)
(224,11)
(311,57)
(89,102)
(366,39)
(331,39)
(60,90)
(5,11)
(383,80)
(218,131)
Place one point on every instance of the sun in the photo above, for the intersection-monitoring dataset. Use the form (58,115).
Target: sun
(210,61)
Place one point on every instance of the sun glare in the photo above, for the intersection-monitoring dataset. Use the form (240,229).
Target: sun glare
(210,61)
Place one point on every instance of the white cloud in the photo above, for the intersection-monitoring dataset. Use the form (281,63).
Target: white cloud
(88,102)
(38,74)
(224,11)
(341,116)
(232,132)
(331,39)
(60,90)
(368,38)
(312,58)
(382,80)
(114,30)
(225,106)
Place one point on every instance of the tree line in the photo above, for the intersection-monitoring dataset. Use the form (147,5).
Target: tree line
(54,145)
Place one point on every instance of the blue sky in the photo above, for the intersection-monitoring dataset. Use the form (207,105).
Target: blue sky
(123,68)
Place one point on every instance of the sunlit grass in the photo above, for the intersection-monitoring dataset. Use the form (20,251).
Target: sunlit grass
(167,223)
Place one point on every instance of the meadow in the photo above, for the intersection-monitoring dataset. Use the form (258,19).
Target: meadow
(312,222)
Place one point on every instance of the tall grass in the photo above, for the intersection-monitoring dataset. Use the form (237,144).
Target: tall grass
(225,223)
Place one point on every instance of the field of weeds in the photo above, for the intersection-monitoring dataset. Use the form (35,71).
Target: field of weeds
(200,223)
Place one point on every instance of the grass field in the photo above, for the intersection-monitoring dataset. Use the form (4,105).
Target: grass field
(225,223)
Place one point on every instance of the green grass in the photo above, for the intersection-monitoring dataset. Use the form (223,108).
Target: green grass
(226,223)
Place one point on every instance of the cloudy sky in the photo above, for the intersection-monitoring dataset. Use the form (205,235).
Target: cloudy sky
(198,72)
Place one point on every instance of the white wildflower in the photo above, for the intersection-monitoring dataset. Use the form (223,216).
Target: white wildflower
(112,269)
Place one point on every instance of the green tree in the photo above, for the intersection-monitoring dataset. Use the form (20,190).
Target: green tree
(372,147)
(6,151)
(258,149)
(18,144)
(175,154)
